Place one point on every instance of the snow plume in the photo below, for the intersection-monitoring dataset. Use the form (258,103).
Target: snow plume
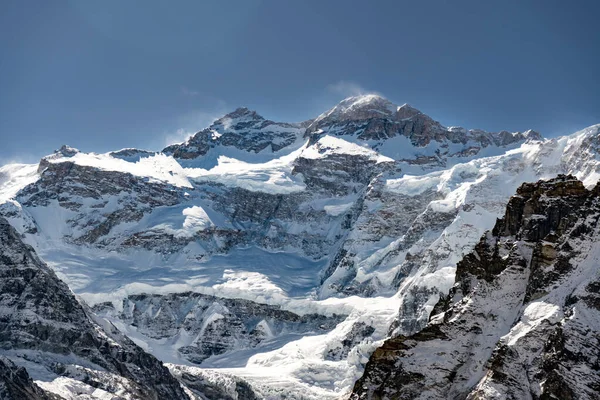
(348,89)
(194,121)
(179,136)
(186,91)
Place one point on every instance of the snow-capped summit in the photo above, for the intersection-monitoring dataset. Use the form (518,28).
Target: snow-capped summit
(242,121)
(530,134)
(408,135)
(241,131)
(242,113)
(357,108)
(66,151)
(362,108)
(407,111)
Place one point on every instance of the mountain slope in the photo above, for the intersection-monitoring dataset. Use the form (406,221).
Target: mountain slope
(522,320)
(15,384)
(41,322)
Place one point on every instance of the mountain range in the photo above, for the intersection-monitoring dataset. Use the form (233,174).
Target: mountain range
(370,252)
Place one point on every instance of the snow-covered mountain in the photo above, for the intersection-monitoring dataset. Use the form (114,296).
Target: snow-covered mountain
(243,134)
(281,254)
(522,320)
(407,135)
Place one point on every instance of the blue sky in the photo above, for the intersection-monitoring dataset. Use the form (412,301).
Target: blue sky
(102,75)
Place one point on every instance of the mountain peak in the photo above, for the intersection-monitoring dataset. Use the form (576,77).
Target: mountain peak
(366,101)
(66,151)
(357,108)
(530,134)
(241,113)
(243,129)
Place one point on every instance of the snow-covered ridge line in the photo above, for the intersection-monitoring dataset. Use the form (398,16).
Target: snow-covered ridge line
(246,141)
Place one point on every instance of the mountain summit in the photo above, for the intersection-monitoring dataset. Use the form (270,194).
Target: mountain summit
(369,120)
(358,108)
(243,130)
(406,134)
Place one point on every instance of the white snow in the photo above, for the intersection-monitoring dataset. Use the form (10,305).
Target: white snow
(411,185)
(14,177)
(196,219)
(533,315)
(159,167)
(274,176)
(71,389)
(327,145)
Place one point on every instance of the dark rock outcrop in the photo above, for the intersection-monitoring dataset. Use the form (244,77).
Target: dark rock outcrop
(214,385)
(214,325)
(15,384)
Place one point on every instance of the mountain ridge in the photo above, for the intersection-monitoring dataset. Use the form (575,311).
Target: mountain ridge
(508,329)
(246,130)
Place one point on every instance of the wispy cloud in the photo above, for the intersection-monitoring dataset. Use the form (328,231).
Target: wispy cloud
(347,89)
(186,91)
(179,136)
(192,122)
(19,159)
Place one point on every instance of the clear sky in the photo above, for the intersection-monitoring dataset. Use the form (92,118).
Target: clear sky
(103,75)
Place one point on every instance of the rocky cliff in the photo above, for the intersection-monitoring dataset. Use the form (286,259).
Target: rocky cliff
(42,324)
(15,384)
(210,326)
(521,321)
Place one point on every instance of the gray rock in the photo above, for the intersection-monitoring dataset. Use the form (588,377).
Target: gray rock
(215,325)
(15,384)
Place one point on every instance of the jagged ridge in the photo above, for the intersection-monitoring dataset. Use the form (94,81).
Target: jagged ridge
(522,319)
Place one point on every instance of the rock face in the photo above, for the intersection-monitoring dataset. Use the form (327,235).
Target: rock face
(208,385)
(41,322)
(84,190)
(522,319)
(243,130)
(210,326)
(15,384)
